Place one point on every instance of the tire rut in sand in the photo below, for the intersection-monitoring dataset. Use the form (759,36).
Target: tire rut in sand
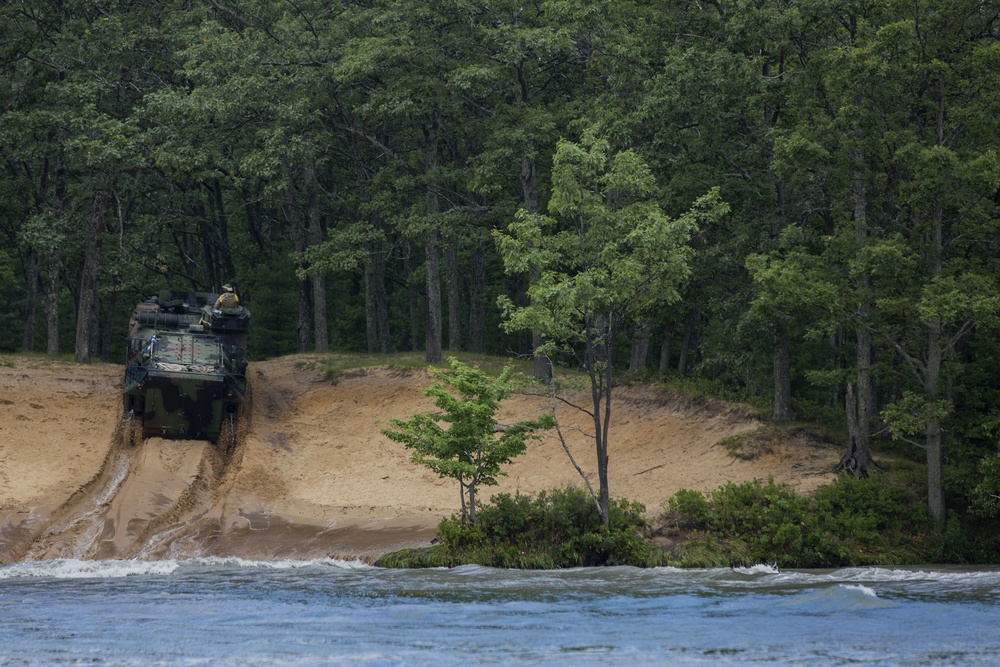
(148,494)
(71,528)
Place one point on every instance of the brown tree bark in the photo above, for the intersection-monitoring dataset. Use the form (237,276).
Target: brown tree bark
(412,297)
(689,341)
(432,344)
(665,352)
(782,378)
(432,337)
(314,231)
(454,298)
(86,314)
(297,231)
(541,366)
(52,303)
(477,301)
(31,278)
(857,460)
(376,302)
(640,349)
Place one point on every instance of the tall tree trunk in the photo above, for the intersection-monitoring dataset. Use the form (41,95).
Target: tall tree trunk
(376,302)
(320,328)
(52,304)
(782,377)
(223,252)
(52,344)
(454,298)
(857,448)
(432,346)
(297,230)
(412,300)
(371,316)
(31,271)
(315,234)
(477,301)
(109,321)
(690,336)
(640,349)
(433,342)
(858,459)
(665,351)
(210,266)
(541,366)
(600,366)
(88,302)
(472,503)
(935,352)
(932,430)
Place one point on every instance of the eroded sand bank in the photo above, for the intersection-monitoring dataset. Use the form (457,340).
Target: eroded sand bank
(312,476)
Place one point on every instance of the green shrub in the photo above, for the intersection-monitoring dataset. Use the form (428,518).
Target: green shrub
(875,521)
(558,528)
(690,509)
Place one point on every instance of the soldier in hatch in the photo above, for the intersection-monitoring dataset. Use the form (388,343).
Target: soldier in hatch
(227,302)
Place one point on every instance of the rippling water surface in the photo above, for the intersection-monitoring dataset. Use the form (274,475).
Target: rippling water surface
(232,612)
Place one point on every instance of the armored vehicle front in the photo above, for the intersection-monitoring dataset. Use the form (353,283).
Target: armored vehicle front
(185,367)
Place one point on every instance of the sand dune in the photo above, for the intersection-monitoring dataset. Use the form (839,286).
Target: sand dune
(312,476)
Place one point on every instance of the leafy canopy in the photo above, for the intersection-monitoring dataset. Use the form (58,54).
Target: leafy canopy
(608,252)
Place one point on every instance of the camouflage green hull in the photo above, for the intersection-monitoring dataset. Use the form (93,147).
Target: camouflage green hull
(185,371)
(190,406)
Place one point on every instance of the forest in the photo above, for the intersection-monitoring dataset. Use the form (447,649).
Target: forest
(801,195)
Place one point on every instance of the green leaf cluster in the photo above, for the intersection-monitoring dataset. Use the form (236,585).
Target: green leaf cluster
(461,441)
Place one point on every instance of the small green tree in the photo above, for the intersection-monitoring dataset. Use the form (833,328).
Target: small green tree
(464,441)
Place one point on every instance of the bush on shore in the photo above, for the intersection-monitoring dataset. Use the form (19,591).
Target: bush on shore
(556,529)
(874,521)
(851,522)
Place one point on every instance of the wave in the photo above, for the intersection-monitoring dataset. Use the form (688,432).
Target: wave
(71,568)
(840,597)
(930,574)
(285,564)
(756,570)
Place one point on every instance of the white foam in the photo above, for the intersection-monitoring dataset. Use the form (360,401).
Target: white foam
(941,575)
(864,589)
(286,564)
(71,568)
(761,568)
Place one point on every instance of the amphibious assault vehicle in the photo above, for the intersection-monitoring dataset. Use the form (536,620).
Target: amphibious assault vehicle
(185,366)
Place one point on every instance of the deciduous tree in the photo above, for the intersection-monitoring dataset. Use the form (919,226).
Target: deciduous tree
(463,441)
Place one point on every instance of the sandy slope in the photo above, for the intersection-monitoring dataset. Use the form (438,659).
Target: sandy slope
(312,476)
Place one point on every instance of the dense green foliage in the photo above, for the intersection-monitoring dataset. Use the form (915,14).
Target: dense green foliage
(349,166)
(851,522)
(875,521)
(559,528)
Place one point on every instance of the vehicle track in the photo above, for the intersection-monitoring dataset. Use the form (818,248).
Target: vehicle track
(149,494)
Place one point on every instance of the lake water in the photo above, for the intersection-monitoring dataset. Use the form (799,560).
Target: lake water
(232,612)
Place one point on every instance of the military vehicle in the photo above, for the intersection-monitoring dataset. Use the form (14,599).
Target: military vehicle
(185,366)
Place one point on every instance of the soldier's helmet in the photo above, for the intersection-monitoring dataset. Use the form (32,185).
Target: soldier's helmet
(227,288)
